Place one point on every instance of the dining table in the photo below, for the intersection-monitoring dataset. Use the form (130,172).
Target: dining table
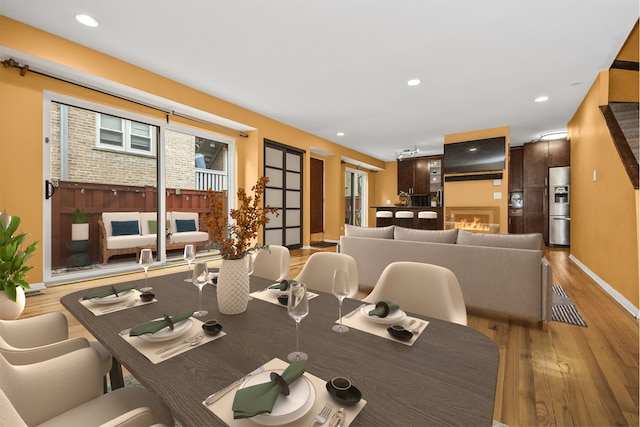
(447,376)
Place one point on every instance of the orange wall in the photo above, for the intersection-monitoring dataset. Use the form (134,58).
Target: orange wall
(480,193)
(604,211)
(21,126)
(386,188)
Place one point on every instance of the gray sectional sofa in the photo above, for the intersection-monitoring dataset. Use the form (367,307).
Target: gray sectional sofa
(499,273)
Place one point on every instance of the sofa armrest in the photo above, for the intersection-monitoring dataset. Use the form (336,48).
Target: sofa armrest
(547,295)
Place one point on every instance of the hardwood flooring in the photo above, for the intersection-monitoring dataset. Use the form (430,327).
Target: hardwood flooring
(564,375)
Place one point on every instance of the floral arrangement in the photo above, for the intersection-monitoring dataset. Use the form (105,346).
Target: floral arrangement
(234,240)
(403,198)
(13,256)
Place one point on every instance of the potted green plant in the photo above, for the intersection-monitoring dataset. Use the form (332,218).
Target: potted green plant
(80,226)
(13,256)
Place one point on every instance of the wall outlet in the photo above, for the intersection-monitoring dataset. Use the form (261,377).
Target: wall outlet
(388,202)
(497,195)
(497,182)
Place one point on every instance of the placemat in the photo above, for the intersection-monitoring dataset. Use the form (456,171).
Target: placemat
(359,322)
(266,295)
(100,309)
(222,407)
(149,348)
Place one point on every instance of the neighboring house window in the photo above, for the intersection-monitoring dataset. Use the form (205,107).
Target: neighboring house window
(119,134)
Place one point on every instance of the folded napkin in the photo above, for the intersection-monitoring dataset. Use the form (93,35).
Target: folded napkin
(383,308)
(260,398)
(155,325)
(283,285)
(101,293)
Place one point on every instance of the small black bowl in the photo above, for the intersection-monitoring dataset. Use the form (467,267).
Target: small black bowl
(211,327)
(283,299)
(147,296)
(348,397)
(400,333)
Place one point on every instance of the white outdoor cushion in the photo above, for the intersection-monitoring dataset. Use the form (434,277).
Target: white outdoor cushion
(189,237)
(107,217)
(123,242)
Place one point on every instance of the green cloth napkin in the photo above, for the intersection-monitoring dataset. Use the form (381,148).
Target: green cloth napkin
(383,308)
(283,285)
(260,398)
(155,325)
(101,293)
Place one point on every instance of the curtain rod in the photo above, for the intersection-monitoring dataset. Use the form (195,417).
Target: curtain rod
(12,63)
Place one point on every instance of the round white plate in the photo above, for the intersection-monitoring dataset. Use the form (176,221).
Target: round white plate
(302,395)
(211,277)
(112,299)
(278,291)
(393,317)
(166,334)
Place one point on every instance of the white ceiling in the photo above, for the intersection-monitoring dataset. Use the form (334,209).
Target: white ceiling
(328,66)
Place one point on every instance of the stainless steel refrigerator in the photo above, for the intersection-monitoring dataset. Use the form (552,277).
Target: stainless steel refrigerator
(559,205)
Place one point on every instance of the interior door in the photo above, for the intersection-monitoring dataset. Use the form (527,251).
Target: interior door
(316,190)
(283,167)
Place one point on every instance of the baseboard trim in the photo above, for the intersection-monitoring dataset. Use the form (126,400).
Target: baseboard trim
(620,299)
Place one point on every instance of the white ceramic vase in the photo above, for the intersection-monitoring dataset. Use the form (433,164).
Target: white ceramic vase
(10,310)
(233,286)
(80,231)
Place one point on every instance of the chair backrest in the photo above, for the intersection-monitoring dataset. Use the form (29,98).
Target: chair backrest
(8,414)
(425,289)
(317,272)
(272,264)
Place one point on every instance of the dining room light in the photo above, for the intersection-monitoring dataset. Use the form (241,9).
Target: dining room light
(541,99)
(413,82)
(553,134)
(340,133)
(87,20)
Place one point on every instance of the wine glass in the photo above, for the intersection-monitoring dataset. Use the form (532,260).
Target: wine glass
(200,278)
(189,256)
(298,308)
(146,260)
(340,288)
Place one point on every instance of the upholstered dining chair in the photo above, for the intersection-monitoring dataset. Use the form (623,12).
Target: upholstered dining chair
(66,391)
(421,288)
(272,263)
(317,272)
(43,337)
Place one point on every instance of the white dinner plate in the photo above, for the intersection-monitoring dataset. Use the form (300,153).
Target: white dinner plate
(112,299)
(166,334)
(278,291)
(393,317)
(302,395)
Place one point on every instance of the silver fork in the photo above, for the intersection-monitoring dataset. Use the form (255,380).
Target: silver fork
(321,418)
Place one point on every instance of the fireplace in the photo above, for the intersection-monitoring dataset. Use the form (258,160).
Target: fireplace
(477,219)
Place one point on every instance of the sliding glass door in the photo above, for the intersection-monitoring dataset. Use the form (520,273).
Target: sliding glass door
(354,197)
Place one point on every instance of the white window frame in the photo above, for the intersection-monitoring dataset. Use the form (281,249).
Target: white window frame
(126,129)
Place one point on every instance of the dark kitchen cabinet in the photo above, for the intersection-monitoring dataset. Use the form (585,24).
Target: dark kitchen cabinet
(559,153)
(415,175)
(515,168)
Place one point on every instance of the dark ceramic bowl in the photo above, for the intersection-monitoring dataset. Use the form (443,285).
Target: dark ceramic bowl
(211,327)
(400,333)
(283,299)
(348,397)
(147,296)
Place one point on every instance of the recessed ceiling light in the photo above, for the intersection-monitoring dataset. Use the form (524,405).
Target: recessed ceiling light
(340,134)
(554,134)
(87,20)
(413,82)
(541,99)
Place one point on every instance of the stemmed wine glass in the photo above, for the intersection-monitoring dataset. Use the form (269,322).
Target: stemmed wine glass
(189,256)
(200,278)
(340,288)
(298,308)
(146,260)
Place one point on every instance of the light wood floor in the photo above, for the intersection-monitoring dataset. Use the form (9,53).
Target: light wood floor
(565,375)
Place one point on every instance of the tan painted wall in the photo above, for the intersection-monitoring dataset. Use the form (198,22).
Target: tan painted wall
(21,130)
(386,188)
(480,193)
(604,211)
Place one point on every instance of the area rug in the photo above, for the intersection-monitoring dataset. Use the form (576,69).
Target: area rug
(563,309)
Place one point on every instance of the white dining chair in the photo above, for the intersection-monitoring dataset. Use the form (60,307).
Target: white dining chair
(38,338)
(272,263)
(66,391)
(426,289)
(317,272)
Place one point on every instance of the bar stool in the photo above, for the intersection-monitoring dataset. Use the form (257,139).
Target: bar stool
(428,220)
(384,218)
(404,219)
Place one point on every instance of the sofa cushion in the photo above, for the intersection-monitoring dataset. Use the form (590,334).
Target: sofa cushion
(531,241)
(370,232)
(183,225)
(153,226)
(433,236)
(189,237)
(125,228)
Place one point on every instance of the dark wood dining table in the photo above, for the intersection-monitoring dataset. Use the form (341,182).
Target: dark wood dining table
(447,377)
